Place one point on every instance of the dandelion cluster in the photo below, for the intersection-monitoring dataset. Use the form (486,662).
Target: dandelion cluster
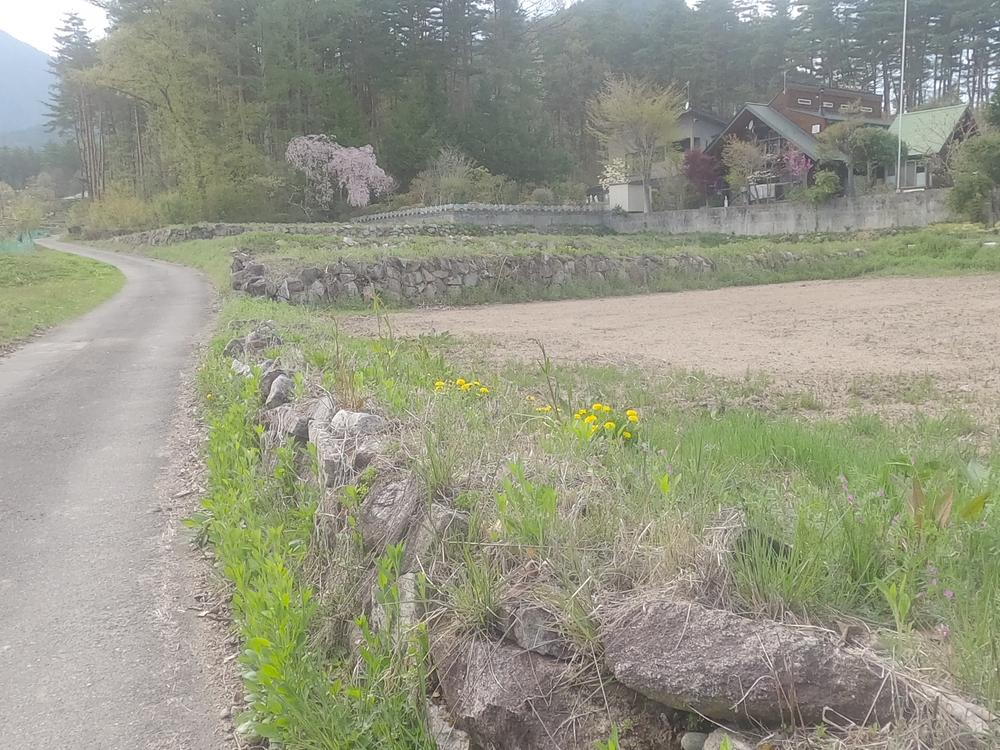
(602,421)
(541,408)
(462,386)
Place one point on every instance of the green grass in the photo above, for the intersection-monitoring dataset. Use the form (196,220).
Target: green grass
(831,491)
(606,516)
(40,288)
(945,249)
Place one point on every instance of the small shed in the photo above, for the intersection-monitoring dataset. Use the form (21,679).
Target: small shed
(929,135)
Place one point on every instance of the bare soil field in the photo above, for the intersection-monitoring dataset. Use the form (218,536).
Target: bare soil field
(844,336)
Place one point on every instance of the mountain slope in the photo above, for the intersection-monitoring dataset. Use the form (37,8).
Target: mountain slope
(24,85)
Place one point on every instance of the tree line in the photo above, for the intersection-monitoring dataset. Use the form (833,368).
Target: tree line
(189,106)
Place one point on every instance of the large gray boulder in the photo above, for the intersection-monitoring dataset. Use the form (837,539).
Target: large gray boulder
(533,626)
(262,337)
(506,697)
(289,421)
(386,512)
(430,530)
(281,391)
(734,669)
(445,735)
(346,442)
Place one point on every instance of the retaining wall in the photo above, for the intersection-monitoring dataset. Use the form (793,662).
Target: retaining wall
(880,211)
(541,218)
(442,279)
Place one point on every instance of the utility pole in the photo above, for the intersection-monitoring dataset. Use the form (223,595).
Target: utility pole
(902,103)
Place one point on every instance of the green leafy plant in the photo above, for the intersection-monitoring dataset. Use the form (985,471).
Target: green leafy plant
(528,511)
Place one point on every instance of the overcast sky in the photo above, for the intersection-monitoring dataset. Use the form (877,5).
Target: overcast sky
(36,21)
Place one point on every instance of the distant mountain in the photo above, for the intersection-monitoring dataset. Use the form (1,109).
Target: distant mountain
(24,86)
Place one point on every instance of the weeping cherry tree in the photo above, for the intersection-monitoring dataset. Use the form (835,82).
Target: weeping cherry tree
(334,171)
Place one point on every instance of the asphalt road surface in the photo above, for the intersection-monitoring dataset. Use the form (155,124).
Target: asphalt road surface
(95,640)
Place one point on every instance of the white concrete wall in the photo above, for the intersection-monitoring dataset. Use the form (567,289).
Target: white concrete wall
(881,211)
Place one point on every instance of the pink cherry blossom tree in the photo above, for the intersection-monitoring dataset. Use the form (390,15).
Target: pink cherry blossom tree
(797,164)
(334,170)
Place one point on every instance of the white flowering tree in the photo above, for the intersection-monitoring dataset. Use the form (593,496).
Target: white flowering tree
(615,173)
(334,171)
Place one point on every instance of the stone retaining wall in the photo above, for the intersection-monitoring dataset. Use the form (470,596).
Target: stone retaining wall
(422,228)
(439,279)
(436,280)
(541,218)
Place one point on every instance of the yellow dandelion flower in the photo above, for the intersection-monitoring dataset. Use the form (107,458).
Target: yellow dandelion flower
(633,418)
(440,384)
(609,425)
(627,435)
(608,408)
(476,382)
(597,407)
(544,409)
(460,382)
(466,386)
(630,412)
(484,391)
(590,419)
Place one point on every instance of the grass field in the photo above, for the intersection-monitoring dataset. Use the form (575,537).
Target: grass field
(945,249)
(835,491)
(41,288)
(606,477)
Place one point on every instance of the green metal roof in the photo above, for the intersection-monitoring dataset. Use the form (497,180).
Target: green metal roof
(926,131)
(788,130)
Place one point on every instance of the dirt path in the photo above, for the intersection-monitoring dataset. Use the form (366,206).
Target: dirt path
(946,327)
(99,647)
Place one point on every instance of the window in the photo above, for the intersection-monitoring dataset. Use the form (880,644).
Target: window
(867,109)
(804,101)
(844,107)
(816,128)
(827,105)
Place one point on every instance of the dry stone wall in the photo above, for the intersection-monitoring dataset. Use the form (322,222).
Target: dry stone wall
(442,279)
(360,232)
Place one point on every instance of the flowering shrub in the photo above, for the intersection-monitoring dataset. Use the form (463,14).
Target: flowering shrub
(333,169)
(797,164)
(602,422)
(616,172)
(461,385)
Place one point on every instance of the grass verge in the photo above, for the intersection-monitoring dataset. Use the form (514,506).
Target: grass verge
(889,528)
(40,288)
(945,249)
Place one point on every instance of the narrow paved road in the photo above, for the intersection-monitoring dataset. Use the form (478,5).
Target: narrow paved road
(95,644)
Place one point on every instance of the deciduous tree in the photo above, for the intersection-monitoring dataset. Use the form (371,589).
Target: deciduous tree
(638,118)
(336,171)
